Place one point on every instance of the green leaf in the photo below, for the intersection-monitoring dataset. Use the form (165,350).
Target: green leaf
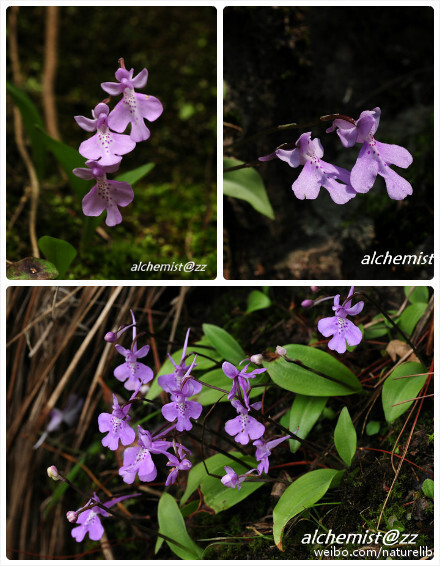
(69,159)
(417,294)
(304,413)
(290,376)
(171,524)
(225,344)
(396,390)
(135,175)
(59,252)
(428,488)
(33,124)
(217,462)
(411,316)
(372,428)
(257,301)
(301,494)
(246,184)
(33,269)
(345,437)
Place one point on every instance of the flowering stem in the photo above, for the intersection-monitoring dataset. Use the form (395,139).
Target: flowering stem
(118,516)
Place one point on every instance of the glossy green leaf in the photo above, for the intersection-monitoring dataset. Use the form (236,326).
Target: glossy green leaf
(301,494)
(428,488)
(135,175)
(246,184)
(304,413)
(336,378)
(171,524)
(411,316)
(225,344)
(59,252)
(257,301)
(372,428)
(399,388)
(217,462)
(417,294)
(33,124)
(345,437)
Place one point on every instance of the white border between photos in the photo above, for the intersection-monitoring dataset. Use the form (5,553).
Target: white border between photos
(220,5)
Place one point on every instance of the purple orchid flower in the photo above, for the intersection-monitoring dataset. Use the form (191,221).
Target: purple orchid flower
(173,381)
(240,379)
(105,145)
(138,460)
(375,157)
(316,172)
(343,330)
(244,427)
(232,479)
(89,521)
(264,450)
(106,194)
(177,465)
(116,424)
(133,373)
(133,107)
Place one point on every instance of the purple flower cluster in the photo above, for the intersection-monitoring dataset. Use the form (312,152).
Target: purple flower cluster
(244,427)
(374,159)
(104,150)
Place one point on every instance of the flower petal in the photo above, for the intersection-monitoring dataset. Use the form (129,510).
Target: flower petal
(365,170)
(308,183)
(397,187)
(394,154)
(92,203)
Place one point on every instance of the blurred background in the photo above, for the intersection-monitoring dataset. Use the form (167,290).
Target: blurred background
(295,64)
(58,56)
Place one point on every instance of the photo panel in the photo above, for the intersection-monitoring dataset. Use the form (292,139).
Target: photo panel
(238,423)
(111,126)
(328,142)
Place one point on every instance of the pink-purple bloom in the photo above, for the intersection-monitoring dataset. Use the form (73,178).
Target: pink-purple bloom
(116,424)
(134,107)
(67,415)
(232,479)
(264,450)
(177,465)
(105,145)
(316,172)
(182,409)
(240,379)
(138,460)
(89,521)
(244,427)
(375,157)
(343,331)
(173,381)
(106,194)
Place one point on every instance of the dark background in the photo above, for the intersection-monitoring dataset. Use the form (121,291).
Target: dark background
(295,64)
(172,217)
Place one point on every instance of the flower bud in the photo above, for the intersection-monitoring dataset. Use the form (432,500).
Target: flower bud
(110,337)
(307,303)
(52,472)
(281,351)
(314,288)
(257,359)
(72,516)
